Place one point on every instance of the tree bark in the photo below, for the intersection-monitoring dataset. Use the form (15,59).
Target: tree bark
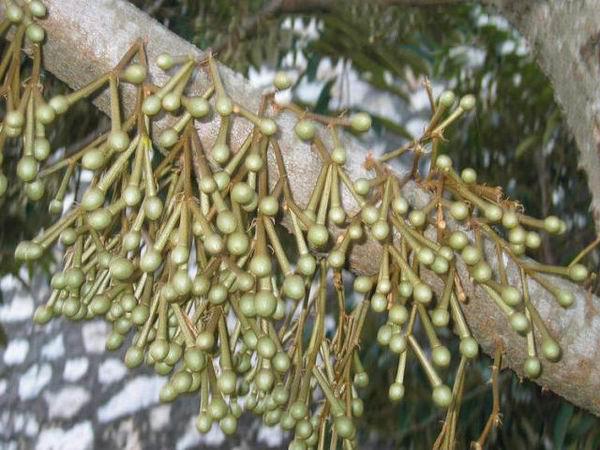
(87,38)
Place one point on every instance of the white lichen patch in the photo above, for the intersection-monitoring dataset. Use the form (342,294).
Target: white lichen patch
(80,437)
(17,310)
(94,336)
(136,395)
(111,371)
(54,349)
(34,380)
(75,368)
(16,352)
(67,402)
(159,417)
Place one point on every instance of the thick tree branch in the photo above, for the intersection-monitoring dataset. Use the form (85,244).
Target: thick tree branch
(86,38)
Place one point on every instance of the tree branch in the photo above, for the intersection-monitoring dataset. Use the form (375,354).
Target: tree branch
(83,45)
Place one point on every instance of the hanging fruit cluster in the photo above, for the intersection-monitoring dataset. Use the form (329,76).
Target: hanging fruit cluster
(178,245)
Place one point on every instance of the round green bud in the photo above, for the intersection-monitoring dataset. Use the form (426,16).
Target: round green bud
(27,168)
(41,148)
(396,392)
(482,272)
(42,315)
(425,256)
(447,99)
(369,214)
(93,159)
(260,265)
(266,347)
(440,317)
(469,347)
(221,153)
(440,265)
(99,219)
(168,138)
(305,129)
(198,107)
(532,367)
(318,235)
(159,349)
(440,356)
(379,302)
(533,240)
(417,218)
(517,235)
(217,408)
(60,104)
(224,105)
(14,13)
(519,322)
(281,81)
(551,350)
(228,424)
(363,284)
(181,381)
(205,340)
(338,155)
(238,243)
(135,73)
(344,427)
(242,193)
(93,198)
(195,359)
(443,163)
(165,61)
(400,205)
(298,410)
(134,357)
(518,249)
(469,176)
(45,114)
(510,219)
(459,210)
(204,423)
(493,213)
(217,294)
(458,240)
(226,222)
(281,362)
(564,298)
(578,272)
(398,343)
(293,287)
(268,205)
(405,289)
(360,122)
(121,268)
(118,140)
(398,314)
(37,8)
(552,224)
(264,380)
(35,33)
(422,293)
(337,215)
(213,244)
(68,236)
(132,240)
(265,303)
(442,396)
(151,260)
(380,230)
(511,296)
(307,264)
(467,102)
(471,255)
(152,105)
(171,102)
(153,207)
(268,127)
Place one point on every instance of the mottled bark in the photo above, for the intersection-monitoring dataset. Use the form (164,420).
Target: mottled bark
(86,38)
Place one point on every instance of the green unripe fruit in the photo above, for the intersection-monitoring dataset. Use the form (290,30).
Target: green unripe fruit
(260,265)
(224,105)
(93,159)
(443,163)
(363,284)
(440,356)
(511,295)
(213,244)
(28,251)
(384,286)
(303,429)
(114,341)
(369,214)
(337,215)
(517,235)
(417,218)
(293,287)
(355,231)
(182,381)
(469,176)
(171,102)
(425,256)
(35,33)
(362,186)
(405,289)
(41,148)
(242,193)
(380,230)
(398,343)
(318,235)
(264,380)
(265,303)
(132,240)
(459,210)
(268,127)
(37,8)
(226,222)
(14,13)
(358,407)
(182,283)
(281,81)
(254,162)
(552,224)
(45,114)
(471,255)
(532,367)
(168,393)
(59,103)
(379,302)
(469,347)
(180,255)
(159,349)
(551,350)
(99,219)
(398,314)
(204,423)
(440,265)
(27,168)
(205,340)
(68,236)
(281,362)
(217,408)
(238,243)
(565,298)
(222,179)
(93,198)
(510,219)
(165,61)
(305,129)
(338,155)
(533,240)
(58,281)
(482,272)
(298,410)
(268,205)
(400,205)
(42,315)
(151,106)
(360,122)
(198,107)
(519,322)
(493,213)
(118,140)
(247,305)
(221,154)
(458,240)
(396,392)
(447,99)
(422,293)
(134,357)
(578,272)
(153,207)
(344,427)
(228,424)
(168,138)
(440,317)
(135,73)
(266,347)
(297,445)
(250,339)
(467,102)
(121,268)
(217,294)
(517,249)
(151,260)
(442,396)
(307,264)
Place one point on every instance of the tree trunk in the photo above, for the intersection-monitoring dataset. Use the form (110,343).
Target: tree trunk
(87,38)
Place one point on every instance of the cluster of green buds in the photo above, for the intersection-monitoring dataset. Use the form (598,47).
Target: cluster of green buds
(187,247)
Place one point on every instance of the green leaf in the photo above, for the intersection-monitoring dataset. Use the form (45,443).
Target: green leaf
(561,425)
